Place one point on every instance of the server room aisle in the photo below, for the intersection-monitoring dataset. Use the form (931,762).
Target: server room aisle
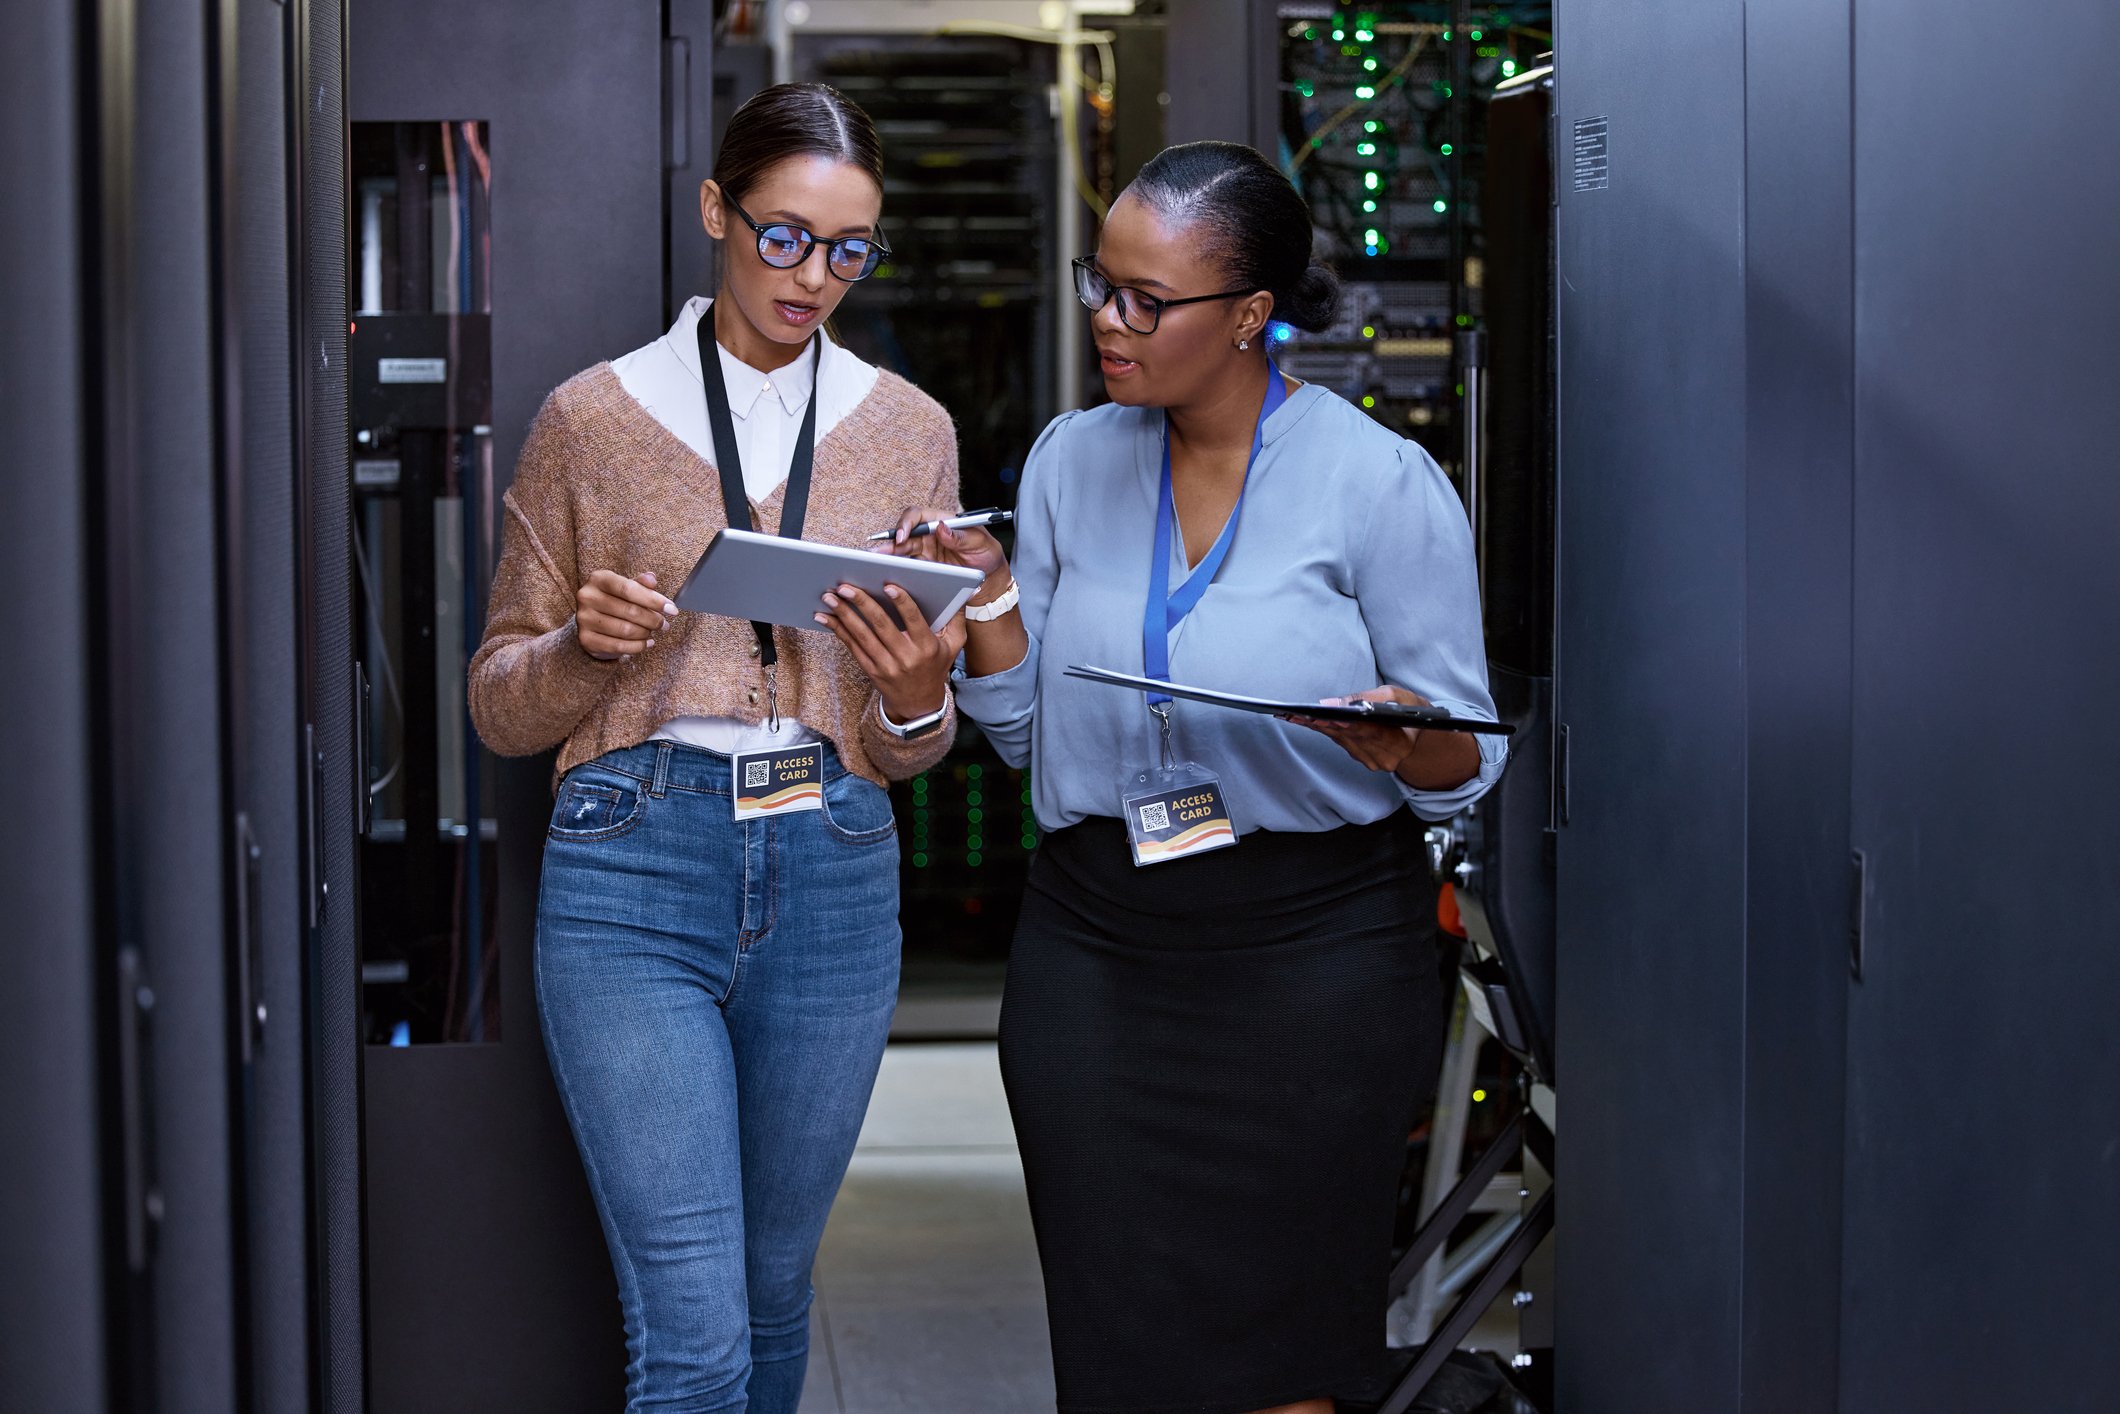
(928,1298)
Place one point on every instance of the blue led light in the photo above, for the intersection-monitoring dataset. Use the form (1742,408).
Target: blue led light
(1279,332)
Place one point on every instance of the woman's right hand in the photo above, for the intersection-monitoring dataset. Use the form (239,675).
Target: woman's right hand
(975,549)
(616,617)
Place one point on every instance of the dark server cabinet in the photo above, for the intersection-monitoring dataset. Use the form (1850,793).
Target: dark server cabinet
(54,1251)
(1650,693)
(152,266)
(1836,318)
(1983,1121)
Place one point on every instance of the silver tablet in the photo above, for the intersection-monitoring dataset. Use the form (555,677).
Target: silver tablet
(768,579)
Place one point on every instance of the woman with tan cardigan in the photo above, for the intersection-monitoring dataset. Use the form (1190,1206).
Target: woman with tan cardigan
(717,929)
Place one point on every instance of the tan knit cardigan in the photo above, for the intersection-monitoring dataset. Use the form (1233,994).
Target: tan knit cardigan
(602,485)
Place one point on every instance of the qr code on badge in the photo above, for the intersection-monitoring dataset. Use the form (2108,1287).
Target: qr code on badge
(757,773)
(1155,817)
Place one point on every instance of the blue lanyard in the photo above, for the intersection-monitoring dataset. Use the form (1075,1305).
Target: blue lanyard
(1156,625)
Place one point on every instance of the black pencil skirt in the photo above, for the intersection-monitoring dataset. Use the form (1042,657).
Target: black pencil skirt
(1212,1065)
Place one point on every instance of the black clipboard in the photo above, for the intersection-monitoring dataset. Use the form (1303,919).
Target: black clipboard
(1393,713)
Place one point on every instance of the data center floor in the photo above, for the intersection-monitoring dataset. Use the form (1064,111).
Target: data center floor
(928,1296)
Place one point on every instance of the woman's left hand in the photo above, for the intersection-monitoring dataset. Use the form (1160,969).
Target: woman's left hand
(1377,745)
(910,665)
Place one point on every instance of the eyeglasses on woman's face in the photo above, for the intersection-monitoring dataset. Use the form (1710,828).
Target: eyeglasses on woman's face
(1139,310)
(784,246)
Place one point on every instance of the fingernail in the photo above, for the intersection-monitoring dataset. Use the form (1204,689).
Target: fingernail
(669,606)
(846,589)
(831,599)
(822,619)
(891,589)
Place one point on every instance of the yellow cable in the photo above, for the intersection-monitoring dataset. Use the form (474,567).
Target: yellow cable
(1070,41)
(1317,139)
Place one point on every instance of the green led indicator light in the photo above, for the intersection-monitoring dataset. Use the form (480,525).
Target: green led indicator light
(1369,237)
(1368,401)
(1369,331)
(920,861)
(1369,179)
(1370,126)
(1370,64)
(1464,321)
(1365,149)
(1305,89)
(1448,149)
(1441,205)
(1446,36)
(1365,91)
(1508,68)
(1369,206)
(975,815)
(1461,390)
(1310,33)
(1477,36)
(1365,35)
(1338,35)
(975,859)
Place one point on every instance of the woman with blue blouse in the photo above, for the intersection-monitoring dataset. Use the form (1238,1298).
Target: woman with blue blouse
(1213,1057)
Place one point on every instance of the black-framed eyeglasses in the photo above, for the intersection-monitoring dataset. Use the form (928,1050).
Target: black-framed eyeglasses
(784,246)
(1139,310)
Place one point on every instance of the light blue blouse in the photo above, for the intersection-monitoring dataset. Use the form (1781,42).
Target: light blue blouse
(1352,566)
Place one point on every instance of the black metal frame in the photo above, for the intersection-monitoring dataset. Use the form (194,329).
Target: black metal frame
(1524,1132)
(1086,266)
(879,250)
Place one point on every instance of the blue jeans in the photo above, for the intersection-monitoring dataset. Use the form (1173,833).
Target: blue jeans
(714,999)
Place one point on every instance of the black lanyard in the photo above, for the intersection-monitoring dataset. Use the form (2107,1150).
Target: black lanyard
(730,464)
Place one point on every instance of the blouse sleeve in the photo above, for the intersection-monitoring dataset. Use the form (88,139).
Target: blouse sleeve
(1004,703)
(1419,594)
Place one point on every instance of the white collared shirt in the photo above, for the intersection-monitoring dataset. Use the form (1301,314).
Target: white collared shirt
(766,408)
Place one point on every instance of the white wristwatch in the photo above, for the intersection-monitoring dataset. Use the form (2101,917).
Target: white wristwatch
(1001,604)
(919,726)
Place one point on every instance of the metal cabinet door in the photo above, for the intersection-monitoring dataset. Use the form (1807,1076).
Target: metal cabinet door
(1983,1137)
(1650,880)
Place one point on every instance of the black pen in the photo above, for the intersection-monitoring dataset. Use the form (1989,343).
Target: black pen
(967,521)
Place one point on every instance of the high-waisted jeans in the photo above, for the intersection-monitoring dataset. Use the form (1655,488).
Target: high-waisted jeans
(714,998)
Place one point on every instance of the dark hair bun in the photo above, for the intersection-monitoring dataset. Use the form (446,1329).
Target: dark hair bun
(1313,301)
(1253,221)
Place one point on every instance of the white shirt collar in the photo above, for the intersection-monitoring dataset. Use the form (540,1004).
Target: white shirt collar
(791,384)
